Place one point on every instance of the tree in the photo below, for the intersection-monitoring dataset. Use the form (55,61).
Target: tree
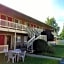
(62,34)
(52,22)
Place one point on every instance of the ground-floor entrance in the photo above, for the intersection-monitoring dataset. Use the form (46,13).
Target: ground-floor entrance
(12,40)
(2,39)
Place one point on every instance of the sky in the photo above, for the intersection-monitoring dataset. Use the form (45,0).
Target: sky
(39,9)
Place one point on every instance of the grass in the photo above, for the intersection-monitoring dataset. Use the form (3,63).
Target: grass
(30,60)
(58,52)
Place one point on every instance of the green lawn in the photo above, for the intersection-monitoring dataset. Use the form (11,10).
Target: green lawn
(58,52)
(30,60)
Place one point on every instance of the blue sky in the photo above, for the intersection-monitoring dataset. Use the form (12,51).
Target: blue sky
(59,4)
(39,9)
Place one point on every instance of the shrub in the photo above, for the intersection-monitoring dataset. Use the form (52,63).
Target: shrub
(50,49)
(40,45)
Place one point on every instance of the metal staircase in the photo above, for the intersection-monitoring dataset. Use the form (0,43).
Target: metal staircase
(29,43)
(33,34)
(37,33)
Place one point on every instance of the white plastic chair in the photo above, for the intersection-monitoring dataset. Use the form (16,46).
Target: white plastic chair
(5,51)
(11,56)
(22,55)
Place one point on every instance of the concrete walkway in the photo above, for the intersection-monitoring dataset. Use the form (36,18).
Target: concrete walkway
(41,56)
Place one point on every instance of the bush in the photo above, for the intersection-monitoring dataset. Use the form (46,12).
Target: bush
(39,46)
(50,49)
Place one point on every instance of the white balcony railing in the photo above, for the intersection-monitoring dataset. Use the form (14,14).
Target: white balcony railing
(13,25)
(3,23)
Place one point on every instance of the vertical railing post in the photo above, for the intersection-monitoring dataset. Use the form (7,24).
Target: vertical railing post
(22,27)
(15,41)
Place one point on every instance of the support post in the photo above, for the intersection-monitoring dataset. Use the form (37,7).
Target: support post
(15,41)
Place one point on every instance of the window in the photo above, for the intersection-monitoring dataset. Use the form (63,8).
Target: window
(16,20)
(9,19)
(25,38)
(34,25)
(18,39)
(27,23)
(3,17)
(37,26)
(31,25)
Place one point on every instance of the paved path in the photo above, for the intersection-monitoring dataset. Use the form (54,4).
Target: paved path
(41,56)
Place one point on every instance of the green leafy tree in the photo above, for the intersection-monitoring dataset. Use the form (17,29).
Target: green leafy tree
(52,22)
(62,34)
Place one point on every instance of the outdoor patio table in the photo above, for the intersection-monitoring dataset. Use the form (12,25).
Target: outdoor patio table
(16,52)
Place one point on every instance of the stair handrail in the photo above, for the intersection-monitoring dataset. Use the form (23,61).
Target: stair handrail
(30,42)
(31,39)
(44,37)
(36,32)
(29,31)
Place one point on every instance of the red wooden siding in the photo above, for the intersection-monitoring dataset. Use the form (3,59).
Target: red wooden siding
(2,37)
(23,22)
(0,15)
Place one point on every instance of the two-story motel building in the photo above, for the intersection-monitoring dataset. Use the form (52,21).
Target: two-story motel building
(13,25)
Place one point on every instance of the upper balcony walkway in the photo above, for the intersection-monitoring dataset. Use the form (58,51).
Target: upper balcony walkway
(9,26)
